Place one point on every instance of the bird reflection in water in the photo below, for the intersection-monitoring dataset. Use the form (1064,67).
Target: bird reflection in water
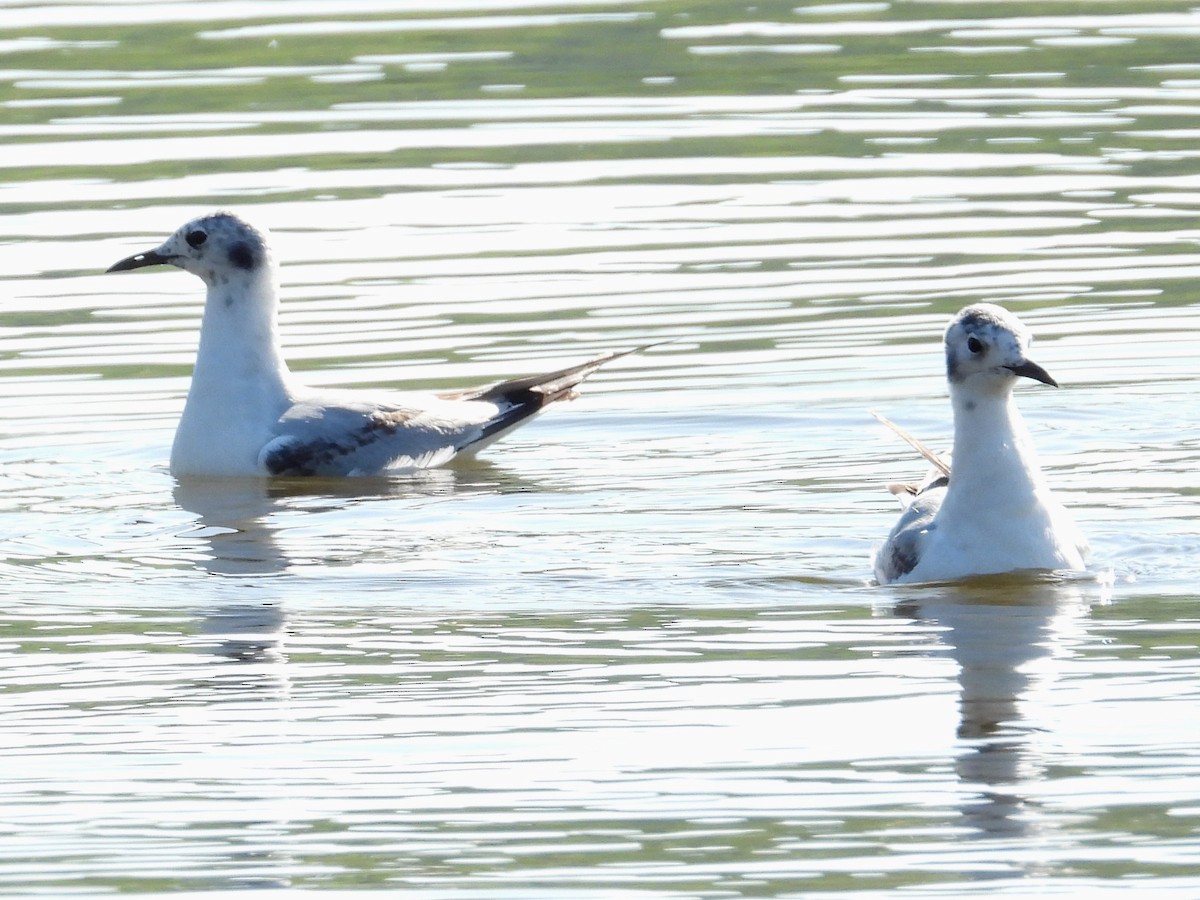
(237,533)
(1008,634)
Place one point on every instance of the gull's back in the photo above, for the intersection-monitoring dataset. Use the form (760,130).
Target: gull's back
(334,433)
(326,435)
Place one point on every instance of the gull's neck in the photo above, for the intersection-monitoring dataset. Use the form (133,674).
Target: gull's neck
(994,462)
(239,337)
(998,514)
(240,381)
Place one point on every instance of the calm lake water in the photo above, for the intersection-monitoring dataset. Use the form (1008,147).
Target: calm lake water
(635,652)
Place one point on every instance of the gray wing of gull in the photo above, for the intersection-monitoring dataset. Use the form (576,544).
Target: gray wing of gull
(906,543)
(320,437)
(334,435)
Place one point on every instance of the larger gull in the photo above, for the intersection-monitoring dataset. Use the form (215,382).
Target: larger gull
(246,415)
(991,512)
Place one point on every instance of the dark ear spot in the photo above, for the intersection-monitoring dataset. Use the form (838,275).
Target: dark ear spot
(242,255)
(953,366)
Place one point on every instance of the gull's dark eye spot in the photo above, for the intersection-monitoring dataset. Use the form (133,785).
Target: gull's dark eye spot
(974,344)
(241,255)
(196,238)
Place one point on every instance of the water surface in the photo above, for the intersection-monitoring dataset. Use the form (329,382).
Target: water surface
(635,651)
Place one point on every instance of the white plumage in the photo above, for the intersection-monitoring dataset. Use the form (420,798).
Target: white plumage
(994,512)
(246,415)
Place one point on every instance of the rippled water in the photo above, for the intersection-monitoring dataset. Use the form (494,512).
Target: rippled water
(635,652)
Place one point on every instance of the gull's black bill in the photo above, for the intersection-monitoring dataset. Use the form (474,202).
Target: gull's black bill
(1029,369)
(139,261)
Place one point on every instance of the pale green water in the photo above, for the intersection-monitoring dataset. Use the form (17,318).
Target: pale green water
(635,653)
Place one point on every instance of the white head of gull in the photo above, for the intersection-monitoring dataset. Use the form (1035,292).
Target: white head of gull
(994,513)
(247,416)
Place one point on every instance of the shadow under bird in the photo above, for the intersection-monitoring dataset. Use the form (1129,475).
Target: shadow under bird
(991,512)
(246,415)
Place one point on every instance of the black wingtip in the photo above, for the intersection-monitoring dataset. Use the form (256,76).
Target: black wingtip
(522,398)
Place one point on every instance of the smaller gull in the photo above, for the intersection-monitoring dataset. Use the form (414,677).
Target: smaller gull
(246,415)
(994,512)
